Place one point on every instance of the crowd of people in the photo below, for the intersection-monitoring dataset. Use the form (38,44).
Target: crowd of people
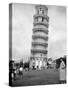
(16,68)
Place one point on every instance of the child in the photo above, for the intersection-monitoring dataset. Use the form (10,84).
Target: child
(62,72)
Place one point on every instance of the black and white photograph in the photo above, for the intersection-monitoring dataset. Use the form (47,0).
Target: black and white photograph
(37,44)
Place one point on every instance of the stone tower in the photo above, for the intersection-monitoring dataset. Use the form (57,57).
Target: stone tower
(39,38)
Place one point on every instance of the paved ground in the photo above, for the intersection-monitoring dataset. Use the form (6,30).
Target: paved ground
(39,77)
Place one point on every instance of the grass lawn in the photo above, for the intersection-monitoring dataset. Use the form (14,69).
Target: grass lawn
(38,77)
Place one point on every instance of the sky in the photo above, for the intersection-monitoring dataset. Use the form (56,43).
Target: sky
(22,25)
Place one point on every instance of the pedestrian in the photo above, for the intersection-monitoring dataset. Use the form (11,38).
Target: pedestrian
(62,72)
(21,70)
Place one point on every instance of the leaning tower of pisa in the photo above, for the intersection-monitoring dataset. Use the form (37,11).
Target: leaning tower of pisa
(40,37)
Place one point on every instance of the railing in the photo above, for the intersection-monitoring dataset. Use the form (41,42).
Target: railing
(34,44)
(41,23)
(41,15)
(40,30)
(40,37)
(35,51)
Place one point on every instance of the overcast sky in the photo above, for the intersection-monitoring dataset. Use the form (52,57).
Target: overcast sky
(22,25)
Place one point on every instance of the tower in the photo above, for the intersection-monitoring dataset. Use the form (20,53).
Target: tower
(39,37)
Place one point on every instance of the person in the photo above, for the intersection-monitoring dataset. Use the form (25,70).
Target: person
(21,70)
(62,72)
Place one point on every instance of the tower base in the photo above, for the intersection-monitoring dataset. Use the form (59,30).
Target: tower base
(38,63)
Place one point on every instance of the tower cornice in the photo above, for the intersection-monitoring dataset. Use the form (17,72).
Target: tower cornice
(40,37)
(41,23)
(41,15)
(44,30)
(35,44)
(35,51)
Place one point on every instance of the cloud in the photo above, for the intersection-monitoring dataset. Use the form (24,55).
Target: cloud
(57,32)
